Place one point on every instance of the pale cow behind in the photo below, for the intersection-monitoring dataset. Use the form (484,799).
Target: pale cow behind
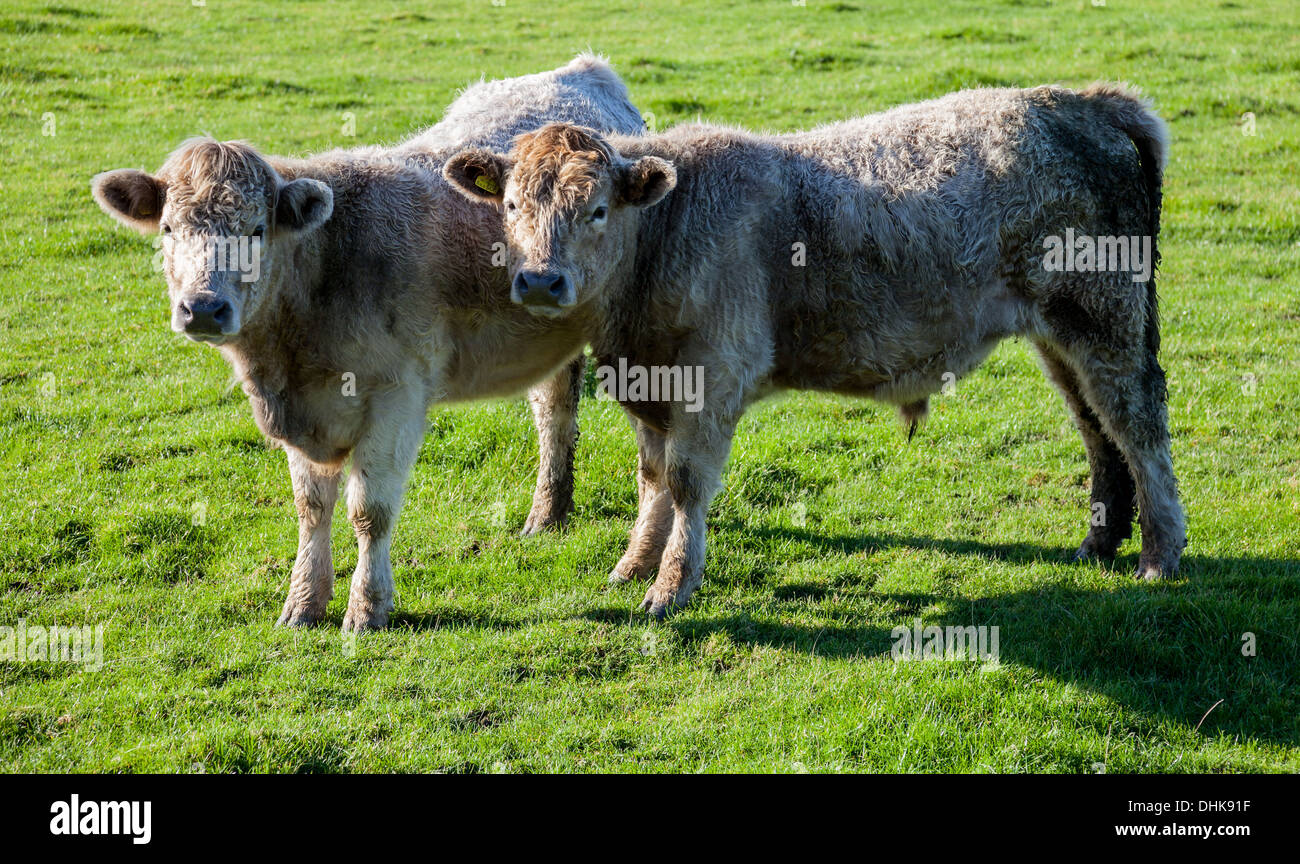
(880,257)
(375,295)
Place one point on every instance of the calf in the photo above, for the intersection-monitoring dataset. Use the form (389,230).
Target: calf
(874,257)
(366,290)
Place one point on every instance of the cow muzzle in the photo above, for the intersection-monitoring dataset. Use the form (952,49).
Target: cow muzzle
(205,318)
(542,290)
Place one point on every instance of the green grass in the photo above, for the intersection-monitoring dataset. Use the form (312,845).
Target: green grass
(509,654)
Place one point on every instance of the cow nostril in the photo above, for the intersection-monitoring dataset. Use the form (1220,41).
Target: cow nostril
(207,315)
(539,288)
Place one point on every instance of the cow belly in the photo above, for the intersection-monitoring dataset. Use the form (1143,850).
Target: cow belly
(902,358)
(503,363)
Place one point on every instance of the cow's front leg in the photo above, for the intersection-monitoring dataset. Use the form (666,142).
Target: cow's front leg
(694,457)
(555,414)
(381,464)
(315,490)
(654,516)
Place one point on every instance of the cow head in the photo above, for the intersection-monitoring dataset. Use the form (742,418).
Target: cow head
(221,211)
(569,201)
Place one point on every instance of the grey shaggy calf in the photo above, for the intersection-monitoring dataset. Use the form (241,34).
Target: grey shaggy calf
(875,257)
(374,295)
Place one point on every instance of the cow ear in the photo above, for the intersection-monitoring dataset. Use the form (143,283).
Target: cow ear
(303,205)
(646,181)
(479,175)
(131,197)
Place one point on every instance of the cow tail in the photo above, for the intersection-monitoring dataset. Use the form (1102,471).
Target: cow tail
(1133,115)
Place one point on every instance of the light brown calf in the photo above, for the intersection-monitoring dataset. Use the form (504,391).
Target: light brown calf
(365,290)
(876,257)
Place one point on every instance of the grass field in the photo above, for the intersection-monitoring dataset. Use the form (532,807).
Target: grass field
(140,496)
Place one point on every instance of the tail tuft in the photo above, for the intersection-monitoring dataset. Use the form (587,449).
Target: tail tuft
(913,414)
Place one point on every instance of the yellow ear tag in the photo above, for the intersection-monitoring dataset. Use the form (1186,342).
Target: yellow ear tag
(487,184)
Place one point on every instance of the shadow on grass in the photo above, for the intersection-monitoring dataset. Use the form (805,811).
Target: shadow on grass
(1171,650)
(850,544)
(449,618)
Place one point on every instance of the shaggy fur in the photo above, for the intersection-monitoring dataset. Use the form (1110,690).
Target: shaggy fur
(881,257)
(377,296)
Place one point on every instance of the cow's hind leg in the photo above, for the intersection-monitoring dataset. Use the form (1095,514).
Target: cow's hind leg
(555,414)
(654,511)
(315,490)
(1125,387)
(1113,490)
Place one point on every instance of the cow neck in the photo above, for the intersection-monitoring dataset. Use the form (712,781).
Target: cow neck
(624,328)
(286,342)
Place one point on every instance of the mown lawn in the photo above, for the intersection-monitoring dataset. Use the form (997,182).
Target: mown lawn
(140,496)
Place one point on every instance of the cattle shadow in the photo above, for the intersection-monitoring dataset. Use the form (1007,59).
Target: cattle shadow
(448,618)
(1168,650)
(760,538)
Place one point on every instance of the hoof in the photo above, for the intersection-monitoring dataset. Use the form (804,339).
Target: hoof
(633,568)
(1154,571)
(297,621)
(1088,555)
(1094,550)
(357,621)
(623,572)
(531,529)
(656,609)
(297,614)
(660,602)
(538,524)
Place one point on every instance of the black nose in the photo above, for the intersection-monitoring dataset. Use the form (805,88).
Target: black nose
(206,316)
(540,289)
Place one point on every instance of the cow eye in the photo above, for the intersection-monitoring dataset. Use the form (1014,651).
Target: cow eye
(510,205)
(166,229)
(598,214)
